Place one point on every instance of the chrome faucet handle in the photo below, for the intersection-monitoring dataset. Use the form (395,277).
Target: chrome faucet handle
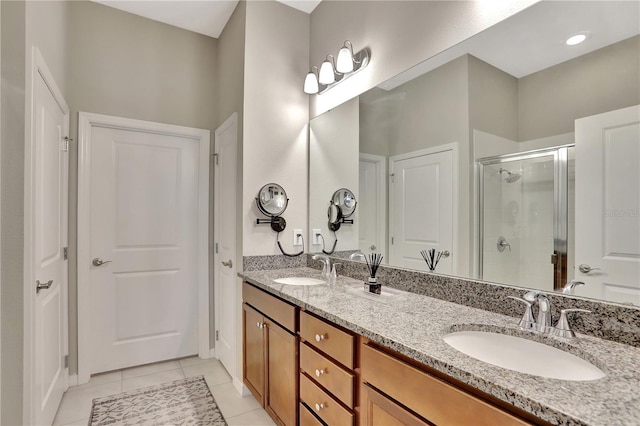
(527,322)
(563,329)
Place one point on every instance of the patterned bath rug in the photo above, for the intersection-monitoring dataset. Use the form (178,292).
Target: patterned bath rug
(182,402)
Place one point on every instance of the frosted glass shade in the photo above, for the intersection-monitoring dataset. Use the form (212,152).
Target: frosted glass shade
(327,75)
(344,63)
(311,84)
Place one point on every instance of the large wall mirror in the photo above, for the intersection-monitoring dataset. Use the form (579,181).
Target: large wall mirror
(513,154)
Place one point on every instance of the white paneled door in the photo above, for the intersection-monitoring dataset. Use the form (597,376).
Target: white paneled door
(143,253)
(421,208)
(50,171)
(608,205)
(372,205)
(225,265)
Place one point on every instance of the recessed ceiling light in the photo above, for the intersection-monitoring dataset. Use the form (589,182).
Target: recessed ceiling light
(577,38)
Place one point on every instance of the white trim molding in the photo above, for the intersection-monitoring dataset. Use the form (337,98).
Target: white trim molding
(86,122)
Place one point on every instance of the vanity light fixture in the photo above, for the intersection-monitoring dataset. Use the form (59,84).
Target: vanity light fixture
(311,81)
(577,38)
(344,63)
(327,71)
(333,71)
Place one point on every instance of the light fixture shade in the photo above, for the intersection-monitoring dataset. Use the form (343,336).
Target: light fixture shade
(311,84)
(327,75)
(344,63)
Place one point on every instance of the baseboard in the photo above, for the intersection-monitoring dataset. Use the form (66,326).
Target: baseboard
(241,388)
(212,353)
(73,380)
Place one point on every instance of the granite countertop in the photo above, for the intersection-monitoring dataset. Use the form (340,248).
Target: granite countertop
(414,326)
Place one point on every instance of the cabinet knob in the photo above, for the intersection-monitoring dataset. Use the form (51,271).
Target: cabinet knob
(319,407)
(319,337)
(260,324)
(319,372)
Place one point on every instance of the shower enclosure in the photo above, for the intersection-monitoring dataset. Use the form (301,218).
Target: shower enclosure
(525,218)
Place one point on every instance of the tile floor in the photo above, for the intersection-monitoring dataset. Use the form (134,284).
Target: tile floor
(76,403)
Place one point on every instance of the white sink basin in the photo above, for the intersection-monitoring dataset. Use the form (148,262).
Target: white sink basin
(299,281)
(523,355)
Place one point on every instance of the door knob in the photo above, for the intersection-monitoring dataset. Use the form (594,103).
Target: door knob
(43,286)
(446,253)
(99,262)
(373,247)
(585,269)
(228,263)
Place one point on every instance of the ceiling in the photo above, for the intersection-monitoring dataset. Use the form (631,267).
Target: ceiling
(206,17)
(533,39)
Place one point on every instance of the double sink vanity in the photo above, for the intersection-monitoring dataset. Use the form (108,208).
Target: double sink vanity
(404,358)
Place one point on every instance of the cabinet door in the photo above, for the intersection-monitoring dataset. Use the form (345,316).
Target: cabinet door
(282,373)
(254,352)
(382,411)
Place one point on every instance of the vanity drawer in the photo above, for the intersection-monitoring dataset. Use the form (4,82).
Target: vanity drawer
(307,418)
(276,309)
(331,412)
(428,396)
(334,378)
(334,342)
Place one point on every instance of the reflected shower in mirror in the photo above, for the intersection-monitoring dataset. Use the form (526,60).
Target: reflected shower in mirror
(460,154)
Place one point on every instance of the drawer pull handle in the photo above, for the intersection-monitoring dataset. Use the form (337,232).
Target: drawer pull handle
(319,407)
(319,337)
(320,372)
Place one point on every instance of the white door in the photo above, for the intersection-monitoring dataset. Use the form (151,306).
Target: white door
(421,208)
(607,233)
(226,138)
(144,194)
(372,202)
(51,124)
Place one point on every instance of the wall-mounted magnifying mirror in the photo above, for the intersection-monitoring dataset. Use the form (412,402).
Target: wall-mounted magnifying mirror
(342,205)
(334,214)
(272,201)
(345,199)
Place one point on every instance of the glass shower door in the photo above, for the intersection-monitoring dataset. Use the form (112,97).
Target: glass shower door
(522,229)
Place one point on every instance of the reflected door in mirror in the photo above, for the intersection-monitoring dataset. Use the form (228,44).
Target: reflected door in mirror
(421,208)
(608,200)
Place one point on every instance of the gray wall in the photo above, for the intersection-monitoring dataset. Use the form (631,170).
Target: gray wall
(493,100)
(128,66)
(11,204)
(551,99)
(400,35)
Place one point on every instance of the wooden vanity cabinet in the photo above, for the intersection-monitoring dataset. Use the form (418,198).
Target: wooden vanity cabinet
(396,392)
(327,373)
(270,353)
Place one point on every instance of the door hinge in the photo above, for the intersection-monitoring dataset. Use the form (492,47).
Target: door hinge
(217,335)
(215,156)
(65,143)
(391,175)
(65,252)
(66,361)
(216,247)
(391,240)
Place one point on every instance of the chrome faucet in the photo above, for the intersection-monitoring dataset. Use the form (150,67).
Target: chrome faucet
(543,323)
(570,287)
(357,256)
(326,268)
(528,321)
